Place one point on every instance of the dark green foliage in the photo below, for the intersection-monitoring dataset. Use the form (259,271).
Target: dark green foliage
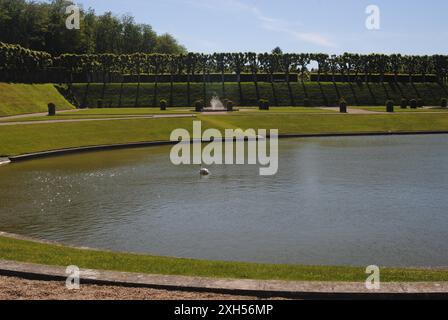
(40,25)
(390,106)
(263,104)
(99,103)
(51,109)
(404,103)
(198,105)
(306,102)
(342,106)
(180,97)
(413,103)
(163,104)
(420,103)
(229,105)
(443,103)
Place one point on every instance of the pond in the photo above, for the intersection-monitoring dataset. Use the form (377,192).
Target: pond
(334,201)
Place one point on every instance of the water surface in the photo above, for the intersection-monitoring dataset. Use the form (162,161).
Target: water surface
(335,201)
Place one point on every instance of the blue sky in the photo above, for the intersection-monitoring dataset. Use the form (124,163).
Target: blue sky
(330,26)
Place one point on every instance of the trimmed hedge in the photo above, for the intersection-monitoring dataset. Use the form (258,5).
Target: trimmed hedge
(355,94)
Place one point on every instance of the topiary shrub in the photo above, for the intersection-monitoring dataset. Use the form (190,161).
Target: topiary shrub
(198,105)
(51,109)
(263,104)
(229,105)
(420,103)
(404,103)
(99,103)
(443,103)
(163,104)
(389,106)
(413,104)
(342,106)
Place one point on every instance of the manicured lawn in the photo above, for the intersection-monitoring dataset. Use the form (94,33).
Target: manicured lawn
(284,110)
(20,139)
(29,98)
(50,254)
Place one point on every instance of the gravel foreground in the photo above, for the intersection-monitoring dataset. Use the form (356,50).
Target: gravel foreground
(12,288)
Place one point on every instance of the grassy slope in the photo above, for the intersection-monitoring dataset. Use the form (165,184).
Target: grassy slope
(29,98)
(19,139)
(27,251)
(430,92)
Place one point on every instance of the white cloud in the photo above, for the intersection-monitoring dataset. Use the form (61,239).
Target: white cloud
(266,22)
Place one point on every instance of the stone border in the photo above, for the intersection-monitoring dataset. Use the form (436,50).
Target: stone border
(59,152)
(258,288)
(4,161)
(65,151)
(245,287)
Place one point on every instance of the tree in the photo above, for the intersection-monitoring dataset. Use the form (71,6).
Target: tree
(138,60)
(277,50)
(270,64)
(410,65)
(189,63)
(254,66)
(40,25)
(168,45)
(237,62)
(174,66)
(286,62)
(149,40)
(322,64)
(203,63)
(219,61)
(158,63)
(425,66)
(123,65)
(440,63)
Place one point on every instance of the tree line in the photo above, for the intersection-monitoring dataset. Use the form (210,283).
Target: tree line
(15,59)
(41,26)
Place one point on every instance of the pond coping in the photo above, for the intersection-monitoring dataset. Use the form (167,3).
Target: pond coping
(64,151)
(4,161)
(248,287)
(259,288)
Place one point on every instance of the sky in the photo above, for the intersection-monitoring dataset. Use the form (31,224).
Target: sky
(327,26)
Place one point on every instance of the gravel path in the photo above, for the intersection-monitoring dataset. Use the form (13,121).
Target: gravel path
(99,119)
(352,110)
(12,288)
(38,114)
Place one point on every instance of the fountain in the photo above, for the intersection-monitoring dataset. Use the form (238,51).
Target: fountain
(215,105)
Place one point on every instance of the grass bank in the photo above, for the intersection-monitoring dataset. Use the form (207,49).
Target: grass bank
(29,98)
(51,254)
(327,93)
(20,139)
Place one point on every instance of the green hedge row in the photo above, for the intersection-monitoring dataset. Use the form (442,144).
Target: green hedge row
(311,94)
